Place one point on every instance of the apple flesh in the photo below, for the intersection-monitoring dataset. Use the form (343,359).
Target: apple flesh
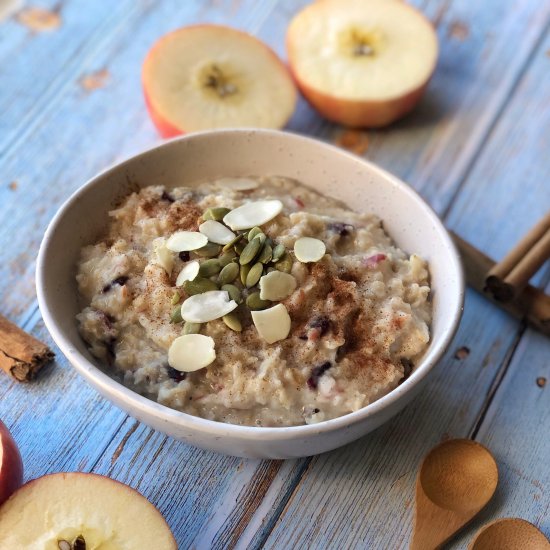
(70,511)
(362,63)
(11,465)
(211,76)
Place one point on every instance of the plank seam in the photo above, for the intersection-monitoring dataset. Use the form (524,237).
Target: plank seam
(491,126)
(497,382)
(61,83)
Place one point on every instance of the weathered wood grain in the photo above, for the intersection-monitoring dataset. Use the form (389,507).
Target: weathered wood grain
(515,428)
(60,134)
(58,421)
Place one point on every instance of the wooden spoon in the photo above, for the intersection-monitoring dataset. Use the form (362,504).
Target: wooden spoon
(509,534)
(456,480)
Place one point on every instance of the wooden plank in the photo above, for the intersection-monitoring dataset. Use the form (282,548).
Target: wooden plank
(508,189)
(516,428)
(39,65)
(194,489)
(58,421)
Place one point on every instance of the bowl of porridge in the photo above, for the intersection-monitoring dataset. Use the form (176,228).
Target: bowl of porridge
(251,292)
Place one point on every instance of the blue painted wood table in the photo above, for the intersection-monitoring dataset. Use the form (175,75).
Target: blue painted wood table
(477,148)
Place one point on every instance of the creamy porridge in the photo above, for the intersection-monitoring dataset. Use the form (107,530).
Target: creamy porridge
(252,301)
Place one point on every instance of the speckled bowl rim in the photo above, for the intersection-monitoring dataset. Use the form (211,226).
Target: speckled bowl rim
(111,387)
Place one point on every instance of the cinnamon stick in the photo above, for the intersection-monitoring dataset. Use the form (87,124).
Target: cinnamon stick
(529,264)
(21,355)
(505,290)
(531,305)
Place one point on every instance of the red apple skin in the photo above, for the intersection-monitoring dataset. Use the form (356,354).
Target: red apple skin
(360,114)
(165,128)
(11,465)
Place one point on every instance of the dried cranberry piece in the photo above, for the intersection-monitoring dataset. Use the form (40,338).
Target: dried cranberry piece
(176,375)
(343,229)
(316,373)
(322,323)
(167,197)
(121,281)
(184,256)
(373,261)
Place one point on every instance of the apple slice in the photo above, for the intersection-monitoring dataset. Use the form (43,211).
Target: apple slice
(210,76)
(11,465)
(70,511)
(362,62)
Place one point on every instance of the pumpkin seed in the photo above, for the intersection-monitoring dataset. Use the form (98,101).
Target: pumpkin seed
(191,328)
(198,286)
(254,274)
(209,268)
(269,241)
(227,257)
(240,246)
(253,232)
(234,293)
(233,322)
(244,273)
(285,263)
(250,251)
(278,252)
(176,298)
(232,243)
(215,213)
(261,237)
(209,250)
(255,303)
(266,254)
(175,316)
(228,274)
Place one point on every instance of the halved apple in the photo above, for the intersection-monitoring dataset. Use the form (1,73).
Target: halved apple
(11,465)
(211,76)
(73,511)
(362,63)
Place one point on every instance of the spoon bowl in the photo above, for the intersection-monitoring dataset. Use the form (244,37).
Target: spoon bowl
(509,534)
(459,475)
(456,480)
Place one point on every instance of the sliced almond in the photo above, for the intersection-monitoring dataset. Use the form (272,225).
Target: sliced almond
(183,241)
(253,213)
(308,249)
(238,184)
(277,286)
(272,324)
(191,352)
(207,306)
(163,256)
(188,273)
(216,232)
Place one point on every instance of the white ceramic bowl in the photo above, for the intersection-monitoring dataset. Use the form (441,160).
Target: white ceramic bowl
(199,157)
